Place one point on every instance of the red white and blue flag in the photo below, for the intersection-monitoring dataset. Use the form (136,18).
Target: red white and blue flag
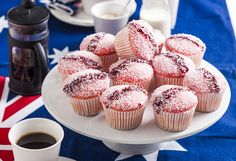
(13,108)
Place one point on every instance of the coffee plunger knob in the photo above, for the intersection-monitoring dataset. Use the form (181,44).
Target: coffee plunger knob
(28,4)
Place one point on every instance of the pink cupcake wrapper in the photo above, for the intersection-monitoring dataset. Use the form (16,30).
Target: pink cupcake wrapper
(86,107)
(197,59)
(122,44)
(209,102)
(124,120)
(174,122)
(107,60)
(152,86)
(141,83)
(160,80)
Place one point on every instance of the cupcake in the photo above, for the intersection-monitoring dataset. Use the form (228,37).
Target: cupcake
(101,44)
(84,88)
(131,71)
(209,88)
(187,45)
(77,61)
(173,107)
(160,38)
(170,68)
(138,40)
(124,106)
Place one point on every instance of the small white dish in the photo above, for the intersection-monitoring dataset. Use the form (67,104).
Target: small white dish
(81,18)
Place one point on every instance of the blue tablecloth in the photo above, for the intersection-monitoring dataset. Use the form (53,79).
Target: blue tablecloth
(207,19)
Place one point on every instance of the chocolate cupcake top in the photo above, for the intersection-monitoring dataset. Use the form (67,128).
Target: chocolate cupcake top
(185,44)
(204,81)
(173,99)
(79,60)
(132,69)
(142,39)
(172,64)
(100,43)
(86,84)
(124,98)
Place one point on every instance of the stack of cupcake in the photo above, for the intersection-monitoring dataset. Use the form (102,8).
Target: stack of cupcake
(130,61)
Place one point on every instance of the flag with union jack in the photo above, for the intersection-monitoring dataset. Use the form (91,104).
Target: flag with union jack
(13,108)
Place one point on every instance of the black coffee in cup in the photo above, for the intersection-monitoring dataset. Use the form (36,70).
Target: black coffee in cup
(36,141)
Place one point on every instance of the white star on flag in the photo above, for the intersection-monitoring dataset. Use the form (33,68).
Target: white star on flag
(3,23)
(172,145)
(58,54)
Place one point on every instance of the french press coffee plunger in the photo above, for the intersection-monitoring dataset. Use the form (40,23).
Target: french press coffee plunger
(28,47)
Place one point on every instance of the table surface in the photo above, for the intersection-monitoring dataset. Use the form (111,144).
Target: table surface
(207,19)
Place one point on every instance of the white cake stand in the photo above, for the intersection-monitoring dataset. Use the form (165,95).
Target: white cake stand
(145,139)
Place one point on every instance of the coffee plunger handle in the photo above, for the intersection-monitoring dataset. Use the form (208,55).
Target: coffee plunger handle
(42,67)
(28,4)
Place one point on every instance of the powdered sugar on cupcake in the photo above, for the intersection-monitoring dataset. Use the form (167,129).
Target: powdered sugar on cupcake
(87,83)
(99,43)
(124,97)
(185,44)
(131,69)
(173,99)
(142,40)
(204,81)
(172,64)
(79,60)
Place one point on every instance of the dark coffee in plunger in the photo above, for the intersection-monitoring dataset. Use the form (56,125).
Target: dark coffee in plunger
(28,47)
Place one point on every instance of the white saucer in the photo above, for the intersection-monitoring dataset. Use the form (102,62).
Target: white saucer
(147,135)
(81,18)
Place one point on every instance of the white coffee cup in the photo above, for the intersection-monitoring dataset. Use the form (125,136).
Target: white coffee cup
(88,4)
(108,16)
(36,125)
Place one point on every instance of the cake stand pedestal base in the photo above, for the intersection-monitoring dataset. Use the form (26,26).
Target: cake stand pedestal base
(132,149)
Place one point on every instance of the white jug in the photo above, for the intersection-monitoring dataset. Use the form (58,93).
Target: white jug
(157,14)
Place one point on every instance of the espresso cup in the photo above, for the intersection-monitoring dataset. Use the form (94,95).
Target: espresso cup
(31,126)
(108,16)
